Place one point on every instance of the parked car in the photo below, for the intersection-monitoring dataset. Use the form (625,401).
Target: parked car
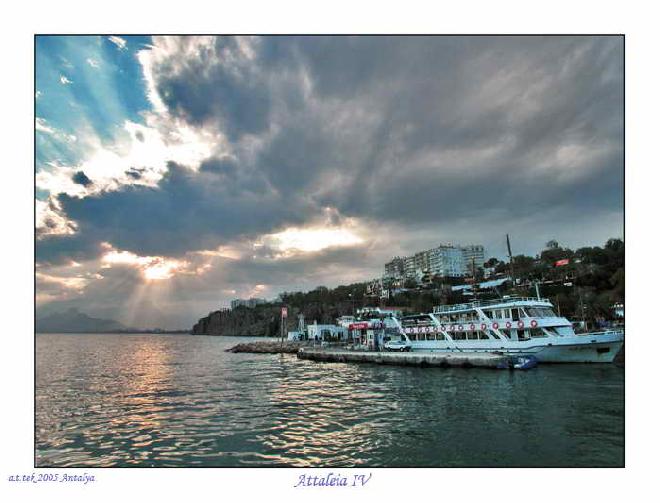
(398,345)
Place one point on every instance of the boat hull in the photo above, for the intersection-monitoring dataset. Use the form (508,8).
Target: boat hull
(586,348)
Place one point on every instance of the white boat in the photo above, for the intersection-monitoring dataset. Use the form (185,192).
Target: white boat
(517,325)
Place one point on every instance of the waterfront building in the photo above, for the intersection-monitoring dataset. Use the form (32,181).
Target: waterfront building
(251,302)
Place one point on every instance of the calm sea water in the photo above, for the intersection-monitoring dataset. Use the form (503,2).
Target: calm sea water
(180,400)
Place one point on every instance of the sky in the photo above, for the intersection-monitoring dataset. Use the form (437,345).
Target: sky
(174,174)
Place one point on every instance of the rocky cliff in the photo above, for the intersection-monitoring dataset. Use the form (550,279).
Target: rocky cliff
(262,320)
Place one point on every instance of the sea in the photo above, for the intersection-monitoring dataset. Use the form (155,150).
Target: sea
(155,400)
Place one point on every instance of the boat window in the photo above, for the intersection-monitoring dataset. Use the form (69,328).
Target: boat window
(522,312)
(541,312)
(459,336)
(483,335)
(522,335)
(537,332)
(514,314)
(472,335)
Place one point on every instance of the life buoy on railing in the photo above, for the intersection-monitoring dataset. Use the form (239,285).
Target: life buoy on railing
(471,326)
(521,324)
(460,328)
(508,324)
(534,323)
(442,327)
(495,325)
(483,326)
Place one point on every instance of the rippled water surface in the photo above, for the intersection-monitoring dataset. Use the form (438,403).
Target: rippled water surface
(180,400)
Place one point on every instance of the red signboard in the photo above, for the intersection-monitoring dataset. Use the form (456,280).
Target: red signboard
(358,326)
(562,262)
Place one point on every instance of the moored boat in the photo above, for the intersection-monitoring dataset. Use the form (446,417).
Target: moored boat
(519,326)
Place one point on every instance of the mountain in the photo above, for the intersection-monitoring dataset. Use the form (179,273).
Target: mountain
(73,321)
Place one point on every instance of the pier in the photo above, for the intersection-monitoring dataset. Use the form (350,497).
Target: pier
(415,359)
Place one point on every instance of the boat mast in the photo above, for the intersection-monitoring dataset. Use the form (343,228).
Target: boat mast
(508,247)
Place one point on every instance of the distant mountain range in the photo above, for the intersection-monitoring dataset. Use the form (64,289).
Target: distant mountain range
(73,321)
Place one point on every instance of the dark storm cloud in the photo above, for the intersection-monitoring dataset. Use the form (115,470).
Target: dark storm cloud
(187,211)
(454,123)
(82,179)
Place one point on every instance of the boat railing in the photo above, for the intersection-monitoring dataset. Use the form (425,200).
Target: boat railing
(483,303)
(603,332)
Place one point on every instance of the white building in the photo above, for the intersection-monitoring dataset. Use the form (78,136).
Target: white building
(251,302)
(444,260)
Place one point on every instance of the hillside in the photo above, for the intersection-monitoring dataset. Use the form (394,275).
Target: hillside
(73,321)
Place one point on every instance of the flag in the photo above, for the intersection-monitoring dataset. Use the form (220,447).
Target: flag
(562,262)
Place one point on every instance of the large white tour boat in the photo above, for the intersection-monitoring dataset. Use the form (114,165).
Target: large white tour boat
(515,325)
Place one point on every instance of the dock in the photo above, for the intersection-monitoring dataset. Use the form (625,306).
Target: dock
(415,359)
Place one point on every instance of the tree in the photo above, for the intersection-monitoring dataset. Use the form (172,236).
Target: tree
(410,283)
(491,262)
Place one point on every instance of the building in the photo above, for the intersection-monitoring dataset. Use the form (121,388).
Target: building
(473,257)
(394,269)
(251,302)
(444,260)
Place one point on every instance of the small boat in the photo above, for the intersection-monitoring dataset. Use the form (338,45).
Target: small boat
(519,363)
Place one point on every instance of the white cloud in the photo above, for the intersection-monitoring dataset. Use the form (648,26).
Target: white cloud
(65,81)
(42,125)
(51,221)
(118,41)
(93,63)
(139,156)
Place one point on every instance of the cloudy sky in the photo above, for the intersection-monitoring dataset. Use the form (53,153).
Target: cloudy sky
(174,174)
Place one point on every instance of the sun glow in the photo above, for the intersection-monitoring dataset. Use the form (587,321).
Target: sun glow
(152,268)
(310,239)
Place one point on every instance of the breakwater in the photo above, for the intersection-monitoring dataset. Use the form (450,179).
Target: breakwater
(267,347)
(416,359)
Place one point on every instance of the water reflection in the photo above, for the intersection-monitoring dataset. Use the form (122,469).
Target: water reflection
(182,401)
